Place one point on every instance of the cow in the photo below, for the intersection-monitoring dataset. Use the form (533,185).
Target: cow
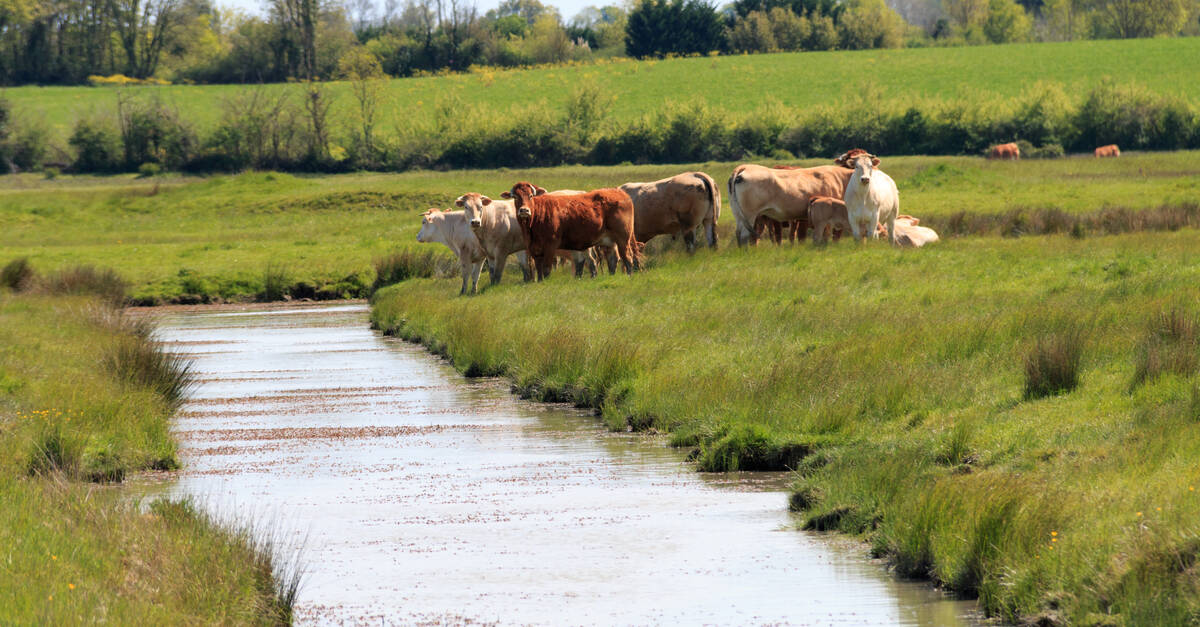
(781,195)
(910,235)
(1110,150)
(574,222)
(494,223)
(871,198)
(676,205)
(1008,151)
(825,213)
(451,229)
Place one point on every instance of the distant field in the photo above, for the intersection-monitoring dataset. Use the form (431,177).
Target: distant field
(217,237)
(737,83)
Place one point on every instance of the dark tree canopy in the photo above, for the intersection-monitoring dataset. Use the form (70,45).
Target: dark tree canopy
(659,27)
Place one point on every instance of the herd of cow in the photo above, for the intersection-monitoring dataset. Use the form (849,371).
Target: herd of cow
(852,196)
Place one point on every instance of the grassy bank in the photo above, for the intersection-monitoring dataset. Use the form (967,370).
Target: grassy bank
(1014,418)
(85,399)
(270,235)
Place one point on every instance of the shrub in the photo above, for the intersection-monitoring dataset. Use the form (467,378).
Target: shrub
(152,133)
(147,170)
(17,275)
(275,283)
(97,146)
(1052,363)
(102,282)
(1171,345)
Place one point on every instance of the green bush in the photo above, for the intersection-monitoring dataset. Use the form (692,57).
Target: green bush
(97,146)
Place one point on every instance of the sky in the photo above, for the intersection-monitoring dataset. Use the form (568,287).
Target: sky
(567,8)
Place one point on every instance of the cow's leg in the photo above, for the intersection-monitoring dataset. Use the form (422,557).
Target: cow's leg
(891,226)
(710,231)
(855,228)
(498,268)
(466,274)
(689,238)
(593,261)
(525,261)
(476,268)
(874,232)
(545,264)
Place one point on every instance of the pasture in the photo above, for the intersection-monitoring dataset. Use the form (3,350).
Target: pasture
(263,235)
(978,75)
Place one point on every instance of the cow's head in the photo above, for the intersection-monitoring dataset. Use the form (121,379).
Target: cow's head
(864,167)
(429,225)
(846,159)
(520,194)
(473,205)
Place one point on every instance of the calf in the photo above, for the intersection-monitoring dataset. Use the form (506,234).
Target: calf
(825,213)
(574,222)
(451,229)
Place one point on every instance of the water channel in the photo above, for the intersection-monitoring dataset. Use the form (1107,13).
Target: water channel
(422,497)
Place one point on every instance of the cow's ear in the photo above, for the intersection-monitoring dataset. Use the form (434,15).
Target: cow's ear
(459,201)
(485,200)
(538,191)
(506,194)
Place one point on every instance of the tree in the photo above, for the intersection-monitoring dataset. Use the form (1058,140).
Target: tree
(298,20)
(658,27)
(752,33)
(870,24)
(1006,22)
(142,29)
(790,30)
(965,13)
(1140,18)
(362,69)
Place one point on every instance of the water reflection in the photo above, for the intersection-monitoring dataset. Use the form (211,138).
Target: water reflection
(427,498)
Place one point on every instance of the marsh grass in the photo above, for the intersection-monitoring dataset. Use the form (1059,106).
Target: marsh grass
(275,282)
(1052,362)
(407,264)
(17,275)
(85,398)
(893,382)
(103,283)
(1171,345)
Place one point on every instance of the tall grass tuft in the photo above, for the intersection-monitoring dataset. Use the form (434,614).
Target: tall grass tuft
(104,283)
(1052,363)
(139,360)
(1171,345)
(409,264)
(17,275)
(53,451)
(276,280)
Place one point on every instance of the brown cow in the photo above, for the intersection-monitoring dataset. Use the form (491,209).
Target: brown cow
(676,206)
(1110,150)
(1008,151)
(574,222)
(781,195)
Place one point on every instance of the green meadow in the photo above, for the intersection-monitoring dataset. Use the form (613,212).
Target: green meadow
(734,84)
(266,235)
(1015,418)
(85,400)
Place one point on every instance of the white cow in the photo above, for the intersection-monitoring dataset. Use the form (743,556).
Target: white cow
(871,198)
(451,229)
(910,235)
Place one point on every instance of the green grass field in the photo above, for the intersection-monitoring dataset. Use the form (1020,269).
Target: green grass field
(207,239)
(737,84)
(894,381)
(78,403)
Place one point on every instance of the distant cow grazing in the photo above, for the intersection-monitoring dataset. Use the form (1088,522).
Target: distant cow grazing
(451,229)
(1008,151)
(871,198)
(574,222)
(780,194)
(676,206)
(1110,150)
(827,214)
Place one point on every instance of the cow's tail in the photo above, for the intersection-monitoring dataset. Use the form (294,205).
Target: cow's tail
(736,207)
(714,208)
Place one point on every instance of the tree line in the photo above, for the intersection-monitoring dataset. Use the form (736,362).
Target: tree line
(71,41)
